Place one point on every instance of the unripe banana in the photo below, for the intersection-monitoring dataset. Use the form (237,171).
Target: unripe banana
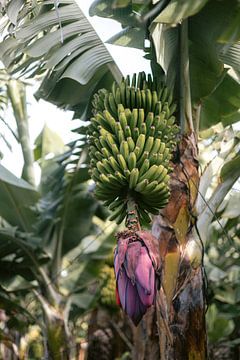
(128,97)
(123,120)
(148,101)
(128,115)
(131,143)
(123,95)
(158,108)
(143,157)
(101,168)
(127,132)
(134,79)
(111,121)
(112,104)
(149,144)
(122,162)
(107,166)
(105,152)
(133,97)
(124,150)
(140,144)
(144,167)
(121,109)
(118,211)
(144,216)
(149,119)
(140,118)
(150,187)
(154,101)
(133,178)
(152,131)
(143,129)
(134,119)
(132,135)
(141,185)
(120,178)
(138,99)
(115,204)
(118,96)
(132,161)
(115,150)
(143,99)
(135,134)
(149,173)
(120,136)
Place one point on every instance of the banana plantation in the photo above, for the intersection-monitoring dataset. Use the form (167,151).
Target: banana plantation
(123,243)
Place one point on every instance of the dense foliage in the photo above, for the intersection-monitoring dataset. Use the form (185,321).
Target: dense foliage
(56,244)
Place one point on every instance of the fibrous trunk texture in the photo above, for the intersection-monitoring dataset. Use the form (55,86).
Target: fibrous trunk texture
(176,329)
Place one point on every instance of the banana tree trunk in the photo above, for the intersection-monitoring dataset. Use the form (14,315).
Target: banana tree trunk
(60,343)
(176,330)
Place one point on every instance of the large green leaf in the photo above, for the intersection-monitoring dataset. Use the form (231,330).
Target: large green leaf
(166,43)
(219,327)
(58,41)
(130,36)
(48,142)
(17,198)
(231,170)
(105,8)
(229,174)
(232,33)
(92,251)
(231,56)
(177,10)
(222,104)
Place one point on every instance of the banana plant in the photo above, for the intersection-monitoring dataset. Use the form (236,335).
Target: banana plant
(55,42)
(191,59)
(43,232)
(190,53)
(14,92)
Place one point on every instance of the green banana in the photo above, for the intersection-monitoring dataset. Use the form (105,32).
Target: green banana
(132,161)
(132,135)
(122,162)
(140,143)
(133,178)
(131,144)
(124,150)
(141,185)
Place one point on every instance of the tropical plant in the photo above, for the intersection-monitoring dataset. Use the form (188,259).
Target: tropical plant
(42,234)
(197,58)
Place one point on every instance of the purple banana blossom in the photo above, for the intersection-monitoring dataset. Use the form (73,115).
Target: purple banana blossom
(135,262)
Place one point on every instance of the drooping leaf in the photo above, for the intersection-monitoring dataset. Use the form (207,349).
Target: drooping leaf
(229,174)
(221,104)
(63,42)
(219,327)
(231,170)
(232,33)
(231,56)
(130,37)
(48,142)
(18,198)
(177,10)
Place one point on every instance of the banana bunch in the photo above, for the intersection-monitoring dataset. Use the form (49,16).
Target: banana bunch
(108,291)
(132,136)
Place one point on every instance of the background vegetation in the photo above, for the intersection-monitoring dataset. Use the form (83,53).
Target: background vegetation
(57,294)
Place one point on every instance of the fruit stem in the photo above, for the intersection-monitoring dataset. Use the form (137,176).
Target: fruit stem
(132,220)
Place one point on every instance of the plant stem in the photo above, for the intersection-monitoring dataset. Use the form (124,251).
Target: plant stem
(186,121)
(17,95)
(132,220)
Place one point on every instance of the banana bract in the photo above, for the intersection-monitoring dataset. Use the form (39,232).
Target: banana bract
(132,136)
